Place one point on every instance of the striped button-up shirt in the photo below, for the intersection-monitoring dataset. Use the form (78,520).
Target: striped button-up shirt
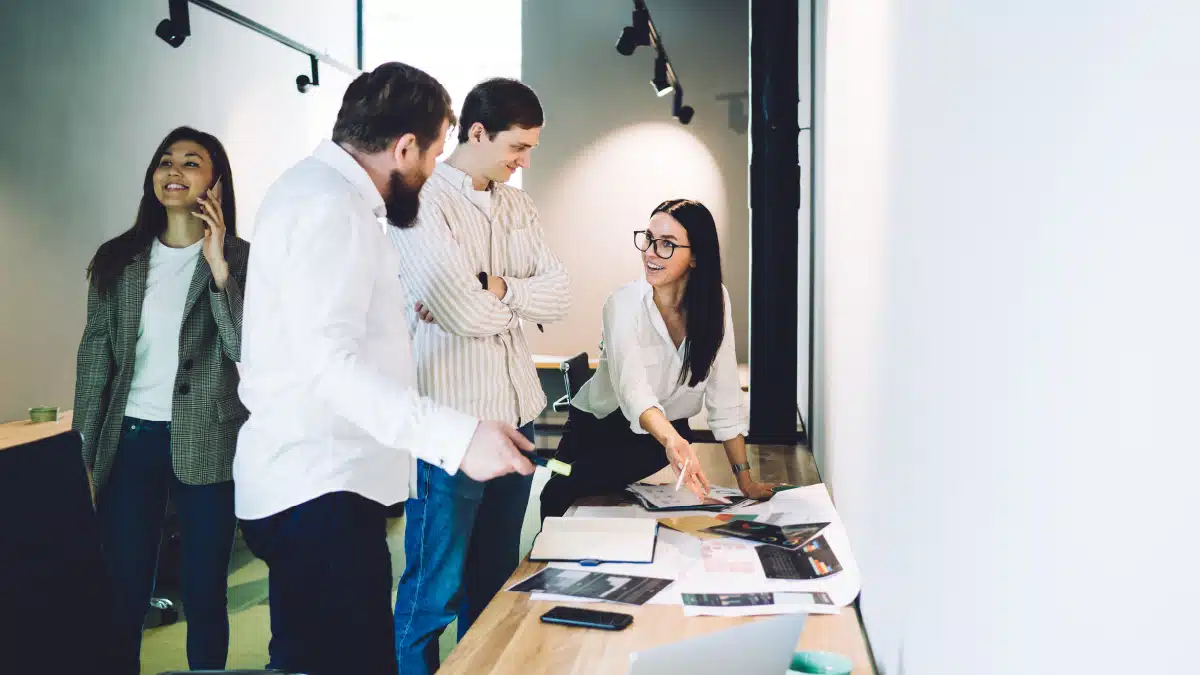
(474,357)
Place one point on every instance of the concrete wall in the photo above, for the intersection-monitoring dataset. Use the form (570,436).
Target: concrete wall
(89,93)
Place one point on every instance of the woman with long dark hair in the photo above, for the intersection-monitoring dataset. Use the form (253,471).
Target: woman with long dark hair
(667,351)
(156,391)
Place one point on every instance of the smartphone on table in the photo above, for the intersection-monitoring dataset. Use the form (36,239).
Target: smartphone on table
(587,618)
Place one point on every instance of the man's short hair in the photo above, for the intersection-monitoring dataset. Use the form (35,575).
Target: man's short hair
(393,100)
(500,104)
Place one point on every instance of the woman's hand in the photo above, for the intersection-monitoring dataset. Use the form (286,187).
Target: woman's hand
(214,234)
(756,490)
(681,454)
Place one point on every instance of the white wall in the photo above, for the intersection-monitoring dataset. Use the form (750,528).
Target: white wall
(481,40)
(611,151)
(89,93)
(1007,339)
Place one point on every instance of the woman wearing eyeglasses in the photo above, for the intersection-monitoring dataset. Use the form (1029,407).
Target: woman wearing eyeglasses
(667,350)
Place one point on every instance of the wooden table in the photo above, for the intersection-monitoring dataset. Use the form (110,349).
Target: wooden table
(510,638)
(19,433)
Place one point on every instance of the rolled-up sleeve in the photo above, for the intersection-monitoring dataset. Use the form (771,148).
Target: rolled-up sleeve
(723,394)
(226,306)
(625,367)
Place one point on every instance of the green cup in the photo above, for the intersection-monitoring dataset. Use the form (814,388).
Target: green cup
(822,663)
(43,414)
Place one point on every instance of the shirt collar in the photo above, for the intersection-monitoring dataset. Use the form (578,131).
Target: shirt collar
(651,309)
(458,178)
(338,159)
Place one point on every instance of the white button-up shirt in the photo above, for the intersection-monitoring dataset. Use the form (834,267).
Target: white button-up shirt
(328,375)
(640,365)
(475,358)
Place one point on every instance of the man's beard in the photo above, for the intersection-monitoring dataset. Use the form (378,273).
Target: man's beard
(403,200)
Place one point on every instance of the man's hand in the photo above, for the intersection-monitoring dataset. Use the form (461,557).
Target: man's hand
(497,287)
(494,451)
(424,314)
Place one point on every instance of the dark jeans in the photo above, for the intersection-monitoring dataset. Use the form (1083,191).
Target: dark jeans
(131,508)
(462,541)
(605,456)
(330,583)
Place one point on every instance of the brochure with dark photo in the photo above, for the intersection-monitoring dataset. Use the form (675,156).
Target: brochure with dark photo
(755,599)
(622,588)
(814,560)
(791,537)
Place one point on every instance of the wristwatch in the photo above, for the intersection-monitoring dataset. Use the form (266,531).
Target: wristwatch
(738,468)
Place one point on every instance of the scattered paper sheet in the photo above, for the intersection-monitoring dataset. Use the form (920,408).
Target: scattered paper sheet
(620,588)
(664,497)
(682,556)
(752,604)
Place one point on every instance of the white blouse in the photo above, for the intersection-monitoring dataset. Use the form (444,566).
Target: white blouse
(640,365)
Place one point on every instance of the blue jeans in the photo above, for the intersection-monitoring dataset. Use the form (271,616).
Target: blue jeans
(330,582)
(131,508)
(462,541)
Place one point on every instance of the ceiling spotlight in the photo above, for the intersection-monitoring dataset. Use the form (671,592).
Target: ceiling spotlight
(662,83)
(679,111)
(176,29)
(637,35)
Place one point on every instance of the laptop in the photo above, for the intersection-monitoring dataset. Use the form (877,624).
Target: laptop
(762,647)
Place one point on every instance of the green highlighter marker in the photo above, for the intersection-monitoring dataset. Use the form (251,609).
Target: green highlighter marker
(552,464)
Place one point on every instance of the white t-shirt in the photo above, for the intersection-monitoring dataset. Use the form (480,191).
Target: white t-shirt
(157,357)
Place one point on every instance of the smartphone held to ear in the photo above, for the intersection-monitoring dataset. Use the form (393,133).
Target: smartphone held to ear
(587,618)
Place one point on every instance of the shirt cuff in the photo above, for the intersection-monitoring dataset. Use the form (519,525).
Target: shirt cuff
(516,294)
(635,424)
(722,434)
(448,433)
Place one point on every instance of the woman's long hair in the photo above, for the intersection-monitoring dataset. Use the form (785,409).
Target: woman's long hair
(704,298)
(115,254)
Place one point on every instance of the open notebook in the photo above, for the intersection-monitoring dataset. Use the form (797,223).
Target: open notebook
(596,539)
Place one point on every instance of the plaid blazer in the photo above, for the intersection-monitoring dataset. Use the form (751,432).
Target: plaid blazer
(206,413)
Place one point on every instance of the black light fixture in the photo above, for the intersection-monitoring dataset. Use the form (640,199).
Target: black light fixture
(641,33)
(681,112)
(178,27)
(637,34)
(662,83)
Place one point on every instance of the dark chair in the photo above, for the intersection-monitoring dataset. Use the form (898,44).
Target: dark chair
(576,371)
(52,574)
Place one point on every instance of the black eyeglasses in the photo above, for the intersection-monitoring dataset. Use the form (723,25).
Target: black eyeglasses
(663,248)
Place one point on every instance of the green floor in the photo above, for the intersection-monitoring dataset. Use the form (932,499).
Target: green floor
(165,648)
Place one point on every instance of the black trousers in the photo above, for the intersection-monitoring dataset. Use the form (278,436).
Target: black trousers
(605,456)
(330,584)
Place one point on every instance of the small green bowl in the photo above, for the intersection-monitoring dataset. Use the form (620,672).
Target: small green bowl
(822,663)
(43,414)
